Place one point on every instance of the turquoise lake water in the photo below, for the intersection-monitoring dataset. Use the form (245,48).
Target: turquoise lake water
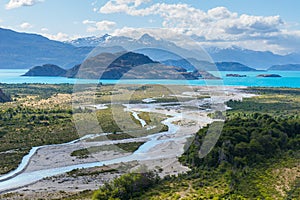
(288,79)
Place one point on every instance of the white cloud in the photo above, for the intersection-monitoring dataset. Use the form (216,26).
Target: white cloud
(26,25)
(127,6)
(19,3)
(44,29)
(215,26)
(217,23)
(89,22)
(59,36)
(94,26)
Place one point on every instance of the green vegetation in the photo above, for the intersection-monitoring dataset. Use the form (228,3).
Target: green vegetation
(256,157)
(146,117)
(137,93)
(82,172)
(33,121)
(86,194)
(246,141)
(128,186)
(280,103)
(270,180)
(41,114)
(43,91)
(130,147)
(116,120)
(121,147)
(246,150)
(294,193)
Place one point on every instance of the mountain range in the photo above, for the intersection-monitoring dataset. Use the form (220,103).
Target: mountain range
(288,67)
(23,50)
(255,59)
(234,54)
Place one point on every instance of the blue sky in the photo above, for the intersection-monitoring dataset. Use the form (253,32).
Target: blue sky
(256,24)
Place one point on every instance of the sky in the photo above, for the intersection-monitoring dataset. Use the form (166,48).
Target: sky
(265,25)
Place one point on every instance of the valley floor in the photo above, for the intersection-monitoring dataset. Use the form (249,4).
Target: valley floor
(162,128)
(158,151)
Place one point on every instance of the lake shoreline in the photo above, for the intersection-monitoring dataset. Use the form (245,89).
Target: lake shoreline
(288,79)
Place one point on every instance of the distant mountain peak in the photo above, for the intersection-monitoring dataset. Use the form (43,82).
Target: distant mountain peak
(106,35)
(147,38)
(91,41)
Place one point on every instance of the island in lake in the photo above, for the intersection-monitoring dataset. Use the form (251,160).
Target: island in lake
(269,75)
(235,75)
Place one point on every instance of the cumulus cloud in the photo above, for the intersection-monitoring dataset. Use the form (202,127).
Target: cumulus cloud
(26,25)
(19,3)
(44,29)
(128,6)
(214,24)
(59,36)
(94,26)
(287,41)
(218,25)
(89,22)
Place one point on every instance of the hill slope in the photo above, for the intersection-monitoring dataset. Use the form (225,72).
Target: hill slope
(22,50)
(46,70)
(233,66)
(192,64)
(257,59)
(288,67)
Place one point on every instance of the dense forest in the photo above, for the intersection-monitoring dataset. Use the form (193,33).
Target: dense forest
(246,141)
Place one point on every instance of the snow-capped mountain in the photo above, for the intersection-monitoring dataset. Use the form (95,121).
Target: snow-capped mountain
(145,44)
(108,40)
(92,41)
(153,47)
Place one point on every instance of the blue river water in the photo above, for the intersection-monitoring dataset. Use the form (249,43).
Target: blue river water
(288,79)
